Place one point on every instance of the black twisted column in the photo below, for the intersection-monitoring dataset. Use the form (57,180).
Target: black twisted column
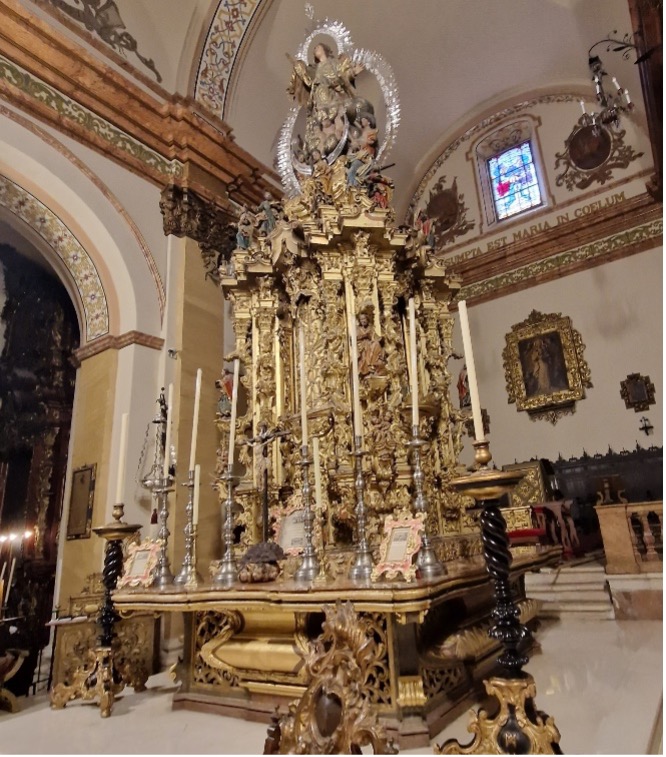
(517,727)
(508,629)
(101,678)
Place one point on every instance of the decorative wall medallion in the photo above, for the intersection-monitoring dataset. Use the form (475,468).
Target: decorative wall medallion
(590,155)
(637,391)
(103,19)
(544,366)
(445,215)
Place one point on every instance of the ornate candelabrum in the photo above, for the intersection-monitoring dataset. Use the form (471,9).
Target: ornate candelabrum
(188,575)
(163,574)
(361,569)
(227,573)
(428,564)
(518,727)
(103,678)
(309,567)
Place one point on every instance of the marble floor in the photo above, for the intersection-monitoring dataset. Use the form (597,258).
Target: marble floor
(600,680)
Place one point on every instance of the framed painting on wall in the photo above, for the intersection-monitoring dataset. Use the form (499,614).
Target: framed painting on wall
(546,373)
(81,499)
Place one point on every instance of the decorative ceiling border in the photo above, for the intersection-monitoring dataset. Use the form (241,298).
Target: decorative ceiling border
(220,50)
(67,247)
(60,148)
(70,110)
(625,242)
(481,126)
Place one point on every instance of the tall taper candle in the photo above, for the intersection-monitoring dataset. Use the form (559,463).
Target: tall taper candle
(195,419)
(122,454)
(167,440)
(2,573)
(9,581)
(471,371)
(414,363)
(304,410)
(195,498)
(356,392)
(234,407)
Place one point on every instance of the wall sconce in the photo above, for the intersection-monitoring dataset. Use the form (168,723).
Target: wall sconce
(646,426)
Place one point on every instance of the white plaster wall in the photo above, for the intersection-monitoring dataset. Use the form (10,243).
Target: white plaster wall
(617,308)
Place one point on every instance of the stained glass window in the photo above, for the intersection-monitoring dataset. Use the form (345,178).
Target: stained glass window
(514,181)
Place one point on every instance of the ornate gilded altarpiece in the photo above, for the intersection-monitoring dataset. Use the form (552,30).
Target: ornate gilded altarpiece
(329,258)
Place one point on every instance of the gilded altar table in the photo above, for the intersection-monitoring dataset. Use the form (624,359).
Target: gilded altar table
(241,654)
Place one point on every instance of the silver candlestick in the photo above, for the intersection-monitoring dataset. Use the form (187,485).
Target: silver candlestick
(188,575)
(309,567)
(227,573)
(164,576)
(361,570)
(428,564)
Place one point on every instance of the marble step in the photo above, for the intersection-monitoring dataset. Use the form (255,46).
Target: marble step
(575,590)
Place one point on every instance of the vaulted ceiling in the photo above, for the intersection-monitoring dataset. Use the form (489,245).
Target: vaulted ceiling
(453,60)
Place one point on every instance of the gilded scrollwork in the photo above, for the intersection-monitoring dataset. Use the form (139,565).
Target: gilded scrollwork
(334,715)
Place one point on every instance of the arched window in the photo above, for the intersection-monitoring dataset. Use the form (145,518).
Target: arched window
(509,171)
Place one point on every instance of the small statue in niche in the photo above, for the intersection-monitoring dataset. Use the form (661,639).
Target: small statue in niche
(268,213)
(225,386)
(464,396)
(371,354)
(245,226)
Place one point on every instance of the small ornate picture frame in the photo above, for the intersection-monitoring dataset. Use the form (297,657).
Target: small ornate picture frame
(638,392)
(140,565)
(289,526)
(402,540)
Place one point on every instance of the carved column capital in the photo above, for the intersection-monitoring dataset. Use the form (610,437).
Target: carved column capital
(187,214)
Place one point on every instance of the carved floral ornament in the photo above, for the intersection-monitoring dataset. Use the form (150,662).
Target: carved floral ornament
(544,366)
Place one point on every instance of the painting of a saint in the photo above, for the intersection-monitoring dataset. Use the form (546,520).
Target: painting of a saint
(543,364)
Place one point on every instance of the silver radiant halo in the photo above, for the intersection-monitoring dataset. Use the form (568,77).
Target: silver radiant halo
(372,62)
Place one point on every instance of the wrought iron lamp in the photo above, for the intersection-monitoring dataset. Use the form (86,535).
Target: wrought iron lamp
(613,101)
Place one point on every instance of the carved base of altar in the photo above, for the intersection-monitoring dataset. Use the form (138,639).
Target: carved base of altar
(242,645)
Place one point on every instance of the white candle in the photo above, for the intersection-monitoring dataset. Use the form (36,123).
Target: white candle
(234,405)
(301,358)
(122,454)
(195,419)
(195,498)
(2,573)
(414,363)
(167,441)
(582,106)
(9,582)
(358,426)
(471,371)
(616,83)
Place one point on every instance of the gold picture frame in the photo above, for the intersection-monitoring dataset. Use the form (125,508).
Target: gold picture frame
(81,498)
(637,392)
(546,372)
(401,542)
(140,564)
